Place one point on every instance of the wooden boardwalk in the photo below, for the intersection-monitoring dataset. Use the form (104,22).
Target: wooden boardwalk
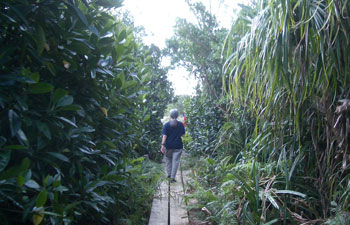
(178,212)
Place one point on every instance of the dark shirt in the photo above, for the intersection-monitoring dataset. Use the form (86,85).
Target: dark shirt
(173,140)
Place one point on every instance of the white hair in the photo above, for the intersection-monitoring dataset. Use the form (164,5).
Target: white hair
(174,113)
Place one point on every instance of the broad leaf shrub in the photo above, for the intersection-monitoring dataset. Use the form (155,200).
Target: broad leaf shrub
(204,121)
(72,86)
(156,96)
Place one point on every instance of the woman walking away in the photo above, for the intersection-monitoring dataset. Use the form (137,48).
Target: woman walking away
(172,143)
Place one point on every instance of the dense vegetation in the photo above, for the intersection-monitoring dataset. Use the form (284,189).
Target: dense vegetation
(81,98)
(197,47)
(78,96)
(282,153)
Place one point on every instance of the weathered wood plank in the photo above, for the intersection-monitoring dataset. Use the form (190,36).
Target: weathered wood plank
(178,212)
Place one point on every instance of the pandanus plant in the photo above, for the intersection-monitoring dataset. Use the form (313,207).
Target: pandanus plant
(287,67)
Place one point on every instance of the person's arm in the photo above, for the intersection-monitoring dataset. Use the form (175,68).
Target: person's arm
(162,149)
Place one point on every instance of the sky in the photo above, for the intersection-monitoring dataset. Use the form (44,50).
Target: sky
(158,17)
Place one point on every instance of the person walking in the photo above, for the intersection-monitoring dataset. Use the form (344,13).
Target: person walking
(172,143)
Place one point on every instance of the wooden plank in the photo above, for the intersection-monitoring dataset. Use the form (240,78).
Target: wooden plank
(178,212)
(159,213)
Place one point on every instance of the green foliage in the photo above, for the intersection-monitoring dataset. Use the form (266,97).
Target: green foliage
(158,94)
(286,83)
(145,178)
(178,103)
(235,135)
(286,71)
(250,193)
(197,48)
(72,104)
(204,121)
(341,218)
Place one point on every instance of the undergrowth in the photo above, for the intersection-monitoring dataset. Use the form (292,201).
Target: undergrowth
(143,184)
(250,193)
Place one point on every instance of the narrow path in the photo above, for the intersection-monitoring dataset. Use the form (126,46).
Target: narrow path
(178,212)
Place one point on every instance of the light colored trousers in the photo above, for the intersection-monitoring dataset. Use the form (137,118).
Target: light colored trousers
(173,162)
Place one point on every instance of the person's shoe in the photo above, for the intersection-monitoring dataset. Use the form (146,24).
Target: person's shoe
(173,180)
